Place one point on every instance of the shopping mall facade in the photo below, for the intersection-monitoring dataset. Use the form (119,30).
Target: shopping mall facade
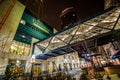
(90,42)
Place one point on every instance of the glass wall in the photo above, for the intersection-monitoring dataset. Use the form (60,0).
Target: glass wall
(20,48)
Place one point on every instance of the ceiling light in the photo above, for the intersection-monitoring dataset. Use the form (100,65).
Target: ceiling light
(23,36)
(23,21)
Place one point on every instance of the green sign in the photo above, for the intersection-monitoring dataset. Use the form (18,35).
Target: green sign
(31,20)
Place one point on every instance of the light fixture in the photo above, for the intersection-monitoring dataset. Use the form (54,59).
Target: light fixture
(33,56)
(17,61)
(12,47)
(65,60)
(23,22)
(23,36)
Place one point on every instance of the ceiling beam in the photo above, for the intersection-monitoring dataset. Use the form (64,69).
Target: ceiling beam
(117,21)
(56,53)
(50,55)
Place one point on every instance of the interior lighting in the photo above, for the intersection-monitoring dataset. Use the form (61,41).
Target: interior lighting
(23,36)
(17,61)
(65,60)
(88,29)
(79,33)
(12,47)
(73,61)
(23,22)
(55,40)
(33,56)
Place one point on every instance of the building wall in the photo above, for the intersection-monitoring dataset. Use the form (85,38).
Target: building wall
(8,30)
(4,7)
(71,61)
(84,8)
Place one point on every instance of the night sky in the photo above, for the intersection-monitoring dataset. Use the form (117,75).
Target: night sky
(84,8)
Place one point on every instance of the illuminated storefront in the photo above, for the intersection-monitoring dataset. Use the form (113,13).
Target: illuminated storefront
(62,51)
(63,63)
(20,48)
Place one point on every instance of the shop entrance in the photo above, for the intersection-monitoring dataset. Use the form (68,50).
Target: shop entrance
(15,68)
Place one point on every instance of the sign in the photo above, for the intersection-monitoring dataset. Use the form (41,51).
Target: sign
(33,21)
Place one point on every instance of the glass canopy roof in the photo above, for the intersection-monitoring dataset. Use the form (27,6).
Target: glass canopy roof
(84,30)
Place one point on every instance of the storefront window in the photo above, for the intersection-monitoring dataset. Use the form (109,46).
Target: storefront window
(15,68)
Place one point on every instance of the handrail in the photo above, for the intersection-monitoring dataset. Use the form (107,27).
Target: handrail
(7,13)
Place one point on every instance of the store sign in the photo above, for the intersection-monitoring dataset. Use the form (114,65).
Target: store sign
(31,20)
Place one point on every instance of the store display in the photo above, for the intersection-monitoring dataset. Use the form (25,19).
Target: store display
(15,69)
(36,71)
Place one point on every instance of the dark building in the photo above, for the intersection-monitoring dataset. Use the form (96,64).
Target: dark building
(34,6)
(50,10)
(68,17)
(83,8)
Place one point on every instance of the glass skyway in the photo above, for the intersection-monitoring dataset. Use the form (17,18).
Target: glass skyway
(80,31)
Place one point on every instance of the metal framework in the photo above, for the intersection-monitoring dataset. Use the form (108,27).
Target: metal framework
(101,24)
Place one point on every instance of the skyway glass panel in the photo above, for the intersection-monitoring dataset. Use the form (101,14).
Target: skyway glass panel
(55,43)
(118,24)
(85,32)
(107,20)
(67,35)
(96,26)
(43,45)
